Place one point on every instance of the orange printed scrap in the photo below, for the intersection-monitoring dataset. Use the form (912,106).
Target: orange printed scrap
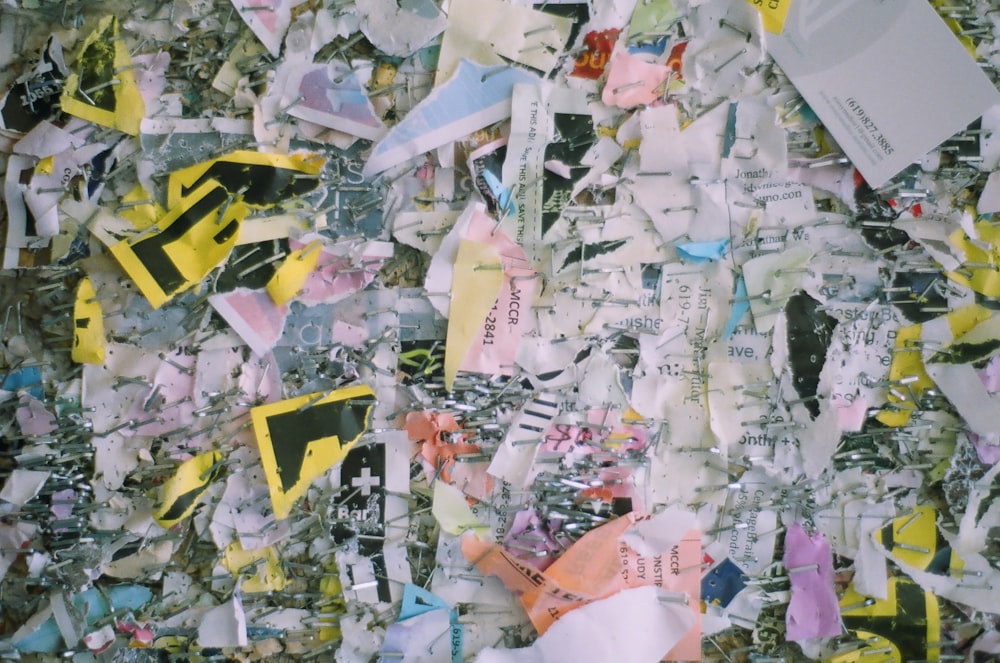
(595,567)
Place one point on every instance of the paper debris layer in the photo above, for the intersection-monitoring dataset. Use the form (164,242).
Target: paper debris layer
(500,331)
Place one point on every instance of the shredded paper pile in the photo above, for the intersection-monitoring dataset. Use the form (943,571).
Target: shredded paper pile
(500,332)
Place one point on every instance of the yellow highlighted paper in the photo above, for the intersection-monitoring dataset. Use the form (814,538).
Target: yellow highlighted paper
(289,278)
(89,343)
(143,215)
(452,510)
(908,362)
(181,492)
(238,168)
(45,166)
(892,618)
(915,541)
(476,283)
(103,89)
(772,13)
(982,279)
(190,241)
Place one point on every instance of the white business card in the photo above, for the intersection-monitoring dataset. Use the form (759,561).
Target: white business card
(887,77)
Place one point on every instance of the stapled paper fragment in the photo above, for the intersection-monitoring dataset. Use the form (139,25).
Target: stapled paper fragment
(301,438)
(644,626)
(102,88)
(473,97)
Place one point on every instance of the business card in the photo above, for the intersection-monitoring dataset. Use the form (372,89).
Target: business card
(887,77)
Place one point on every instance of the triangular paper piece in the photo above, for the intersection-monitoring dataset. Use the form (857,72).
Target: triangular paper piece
(417,601)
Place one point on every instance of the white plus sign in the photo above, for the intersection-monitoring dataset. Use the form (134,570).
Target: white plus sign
(366,482)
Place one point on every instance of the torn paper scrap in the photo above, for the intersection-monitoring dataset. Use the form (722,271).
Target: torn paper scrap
(474,97)
(639,625)
(813,611)
(494,32)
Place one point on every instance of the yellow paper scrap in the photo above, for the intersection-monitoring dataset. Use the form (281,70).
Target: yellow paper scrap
(181,492)
(89,343)
(45,166)
(901,627)
(984,276)
(453,512)
(300,439)
(915,540)
(330,587)
(193,238)
(773,13)
(907,361)
(103,90)
(476,283)
(289,278)
(260,568)
(261,179)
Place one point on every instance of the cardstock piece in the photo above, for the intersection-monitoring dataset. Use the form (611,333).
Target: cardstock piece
(331,95)
(596,567)
(645,629)
(813,611)
(634,82)
(418,601)
(22,486)
(224,625)
(301,438)
(400,29)
(268,19)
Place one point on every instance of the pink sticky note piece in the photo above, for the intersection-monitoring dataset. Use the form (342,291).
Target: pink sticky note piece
(632,81)
(850,414)
(813,611)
